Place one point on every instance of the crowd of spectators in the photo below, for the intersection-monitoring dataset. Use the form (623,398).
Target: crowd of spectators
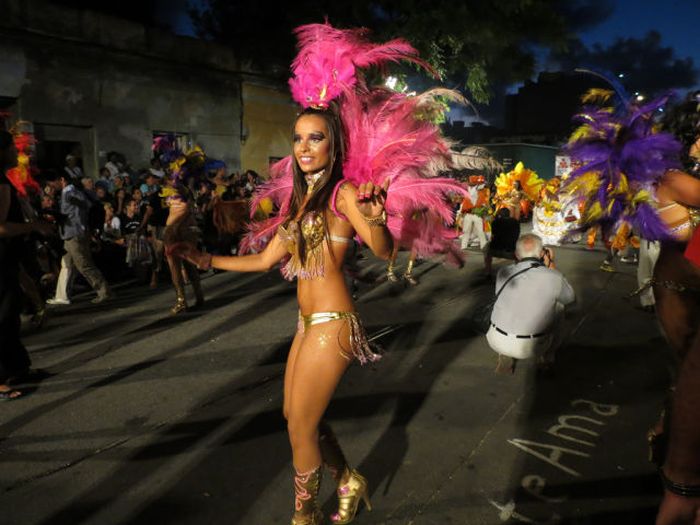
(125,215)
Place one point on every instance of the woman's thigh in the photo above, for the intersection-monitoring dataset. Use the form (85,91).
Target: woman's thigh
(318,367)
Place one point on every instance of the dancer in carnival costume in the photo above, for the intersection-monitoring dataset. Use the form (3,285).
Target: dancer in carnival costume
(517,190)
(22,178)
(633,174)
(14,359)
(362,160)
(180,225)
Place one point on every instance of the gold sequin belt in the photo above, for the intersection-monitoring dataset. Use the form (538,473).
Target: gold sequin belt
(360,347)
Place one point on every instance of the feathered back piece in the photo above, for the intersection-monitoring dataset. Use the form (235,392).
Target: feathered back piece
(179,165)
(22,176)
(390,138)
(326,66)
(530,183)
(389,135)
(620,156)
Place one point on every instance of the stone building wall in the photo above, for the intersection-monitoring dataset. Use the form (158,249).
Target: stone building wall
(268,117)
(108,84)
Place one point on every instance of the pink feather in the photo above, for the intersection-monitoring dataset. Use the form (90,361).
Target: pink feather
(326,64)
(386,139)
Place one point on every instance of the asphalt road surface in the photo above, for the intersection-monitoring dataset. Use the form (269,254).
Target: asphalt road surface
(149,419)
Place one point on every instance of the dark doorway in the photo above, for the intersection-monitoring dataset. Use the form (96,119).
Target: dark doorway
(51,154)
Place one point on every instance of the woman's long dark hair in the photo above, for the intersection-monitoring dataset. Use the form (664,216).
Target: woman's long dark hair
(683,120)
(321,197)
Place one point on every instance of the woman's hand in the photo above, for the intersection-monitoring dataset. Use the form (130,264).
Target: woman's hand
(371,198)
(187,251)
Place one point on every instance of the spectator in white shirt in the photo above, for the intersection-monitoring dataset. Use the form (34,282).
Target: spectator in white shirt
(527,318)
(72,169)
(112,229)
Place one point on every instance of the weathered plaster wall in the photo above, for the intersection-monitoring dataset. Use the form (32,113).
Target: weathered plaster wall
(109,84)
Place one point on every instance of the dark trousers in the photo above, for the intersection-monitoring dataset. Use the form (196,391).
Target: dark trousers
(14,359)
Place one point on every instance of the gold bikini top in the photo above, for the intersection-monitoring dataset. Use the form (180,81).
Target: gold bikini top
(311,225)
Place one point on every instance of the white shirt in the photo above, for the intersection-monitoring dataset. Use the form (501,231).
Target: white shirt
(527,304)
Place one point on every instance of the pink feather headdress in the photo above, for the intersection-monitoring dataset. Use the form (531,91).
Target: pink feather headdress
(326,66)
(389,135)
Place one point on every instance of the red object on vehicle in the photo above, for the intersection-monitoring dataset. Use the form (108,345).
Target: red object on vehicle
(692,252)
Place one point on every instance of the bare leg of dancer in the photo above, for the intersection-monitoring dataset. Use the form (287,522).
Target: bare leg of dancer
(175,265)
(314,369)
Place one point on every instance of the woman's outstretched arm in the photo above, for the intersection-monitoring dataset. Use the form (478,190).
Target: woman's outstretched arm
(258,262)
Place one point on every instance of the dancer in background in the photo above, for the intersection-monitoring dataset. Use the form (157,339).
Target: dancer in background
(14,359)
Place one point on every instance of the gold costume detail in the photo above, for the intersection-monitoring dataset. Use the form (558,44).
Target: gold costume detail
(314,233)
(349,496)
(360,347)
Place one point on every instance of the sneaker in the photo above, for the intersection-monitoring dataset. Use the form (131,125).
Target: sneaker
(607,267)
(56,301)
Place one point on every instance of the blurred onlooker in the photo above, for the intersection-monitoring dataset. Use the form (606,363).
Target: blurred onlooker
(49,190)
(48,203)
(251,181)
(119,200)
(72,169)
(104,178)
(112,228)
(114,164)
(150,185)
(154,219)
(132,218)
(648,255)
(74,230)
(137,196)
(504,234)
(88,184)
(118,183)
(156,168)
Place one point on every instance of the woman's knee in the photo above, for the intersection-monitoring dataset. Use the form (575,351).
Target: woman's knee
(301,430)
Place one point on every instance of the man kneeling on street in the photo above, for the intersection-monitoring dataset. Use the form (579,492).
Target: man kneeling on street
(528,315)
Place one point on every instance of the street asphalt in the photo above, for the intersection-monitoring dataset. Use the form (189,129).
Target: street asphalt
(150,419)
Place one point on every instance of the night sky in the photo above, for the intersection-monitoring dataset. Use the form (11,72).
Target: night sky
(676,20)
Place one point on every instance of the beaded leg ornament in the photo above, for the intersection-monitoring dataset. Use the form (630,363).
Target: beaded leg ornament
(306,487)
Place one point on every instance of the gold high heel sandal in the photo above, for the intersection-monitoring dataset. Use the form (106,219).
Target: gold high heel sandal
(349,495)
(180,305)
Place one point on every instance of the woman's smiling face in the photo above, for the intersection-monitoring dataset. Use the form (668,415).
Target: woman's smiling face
(311,143)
